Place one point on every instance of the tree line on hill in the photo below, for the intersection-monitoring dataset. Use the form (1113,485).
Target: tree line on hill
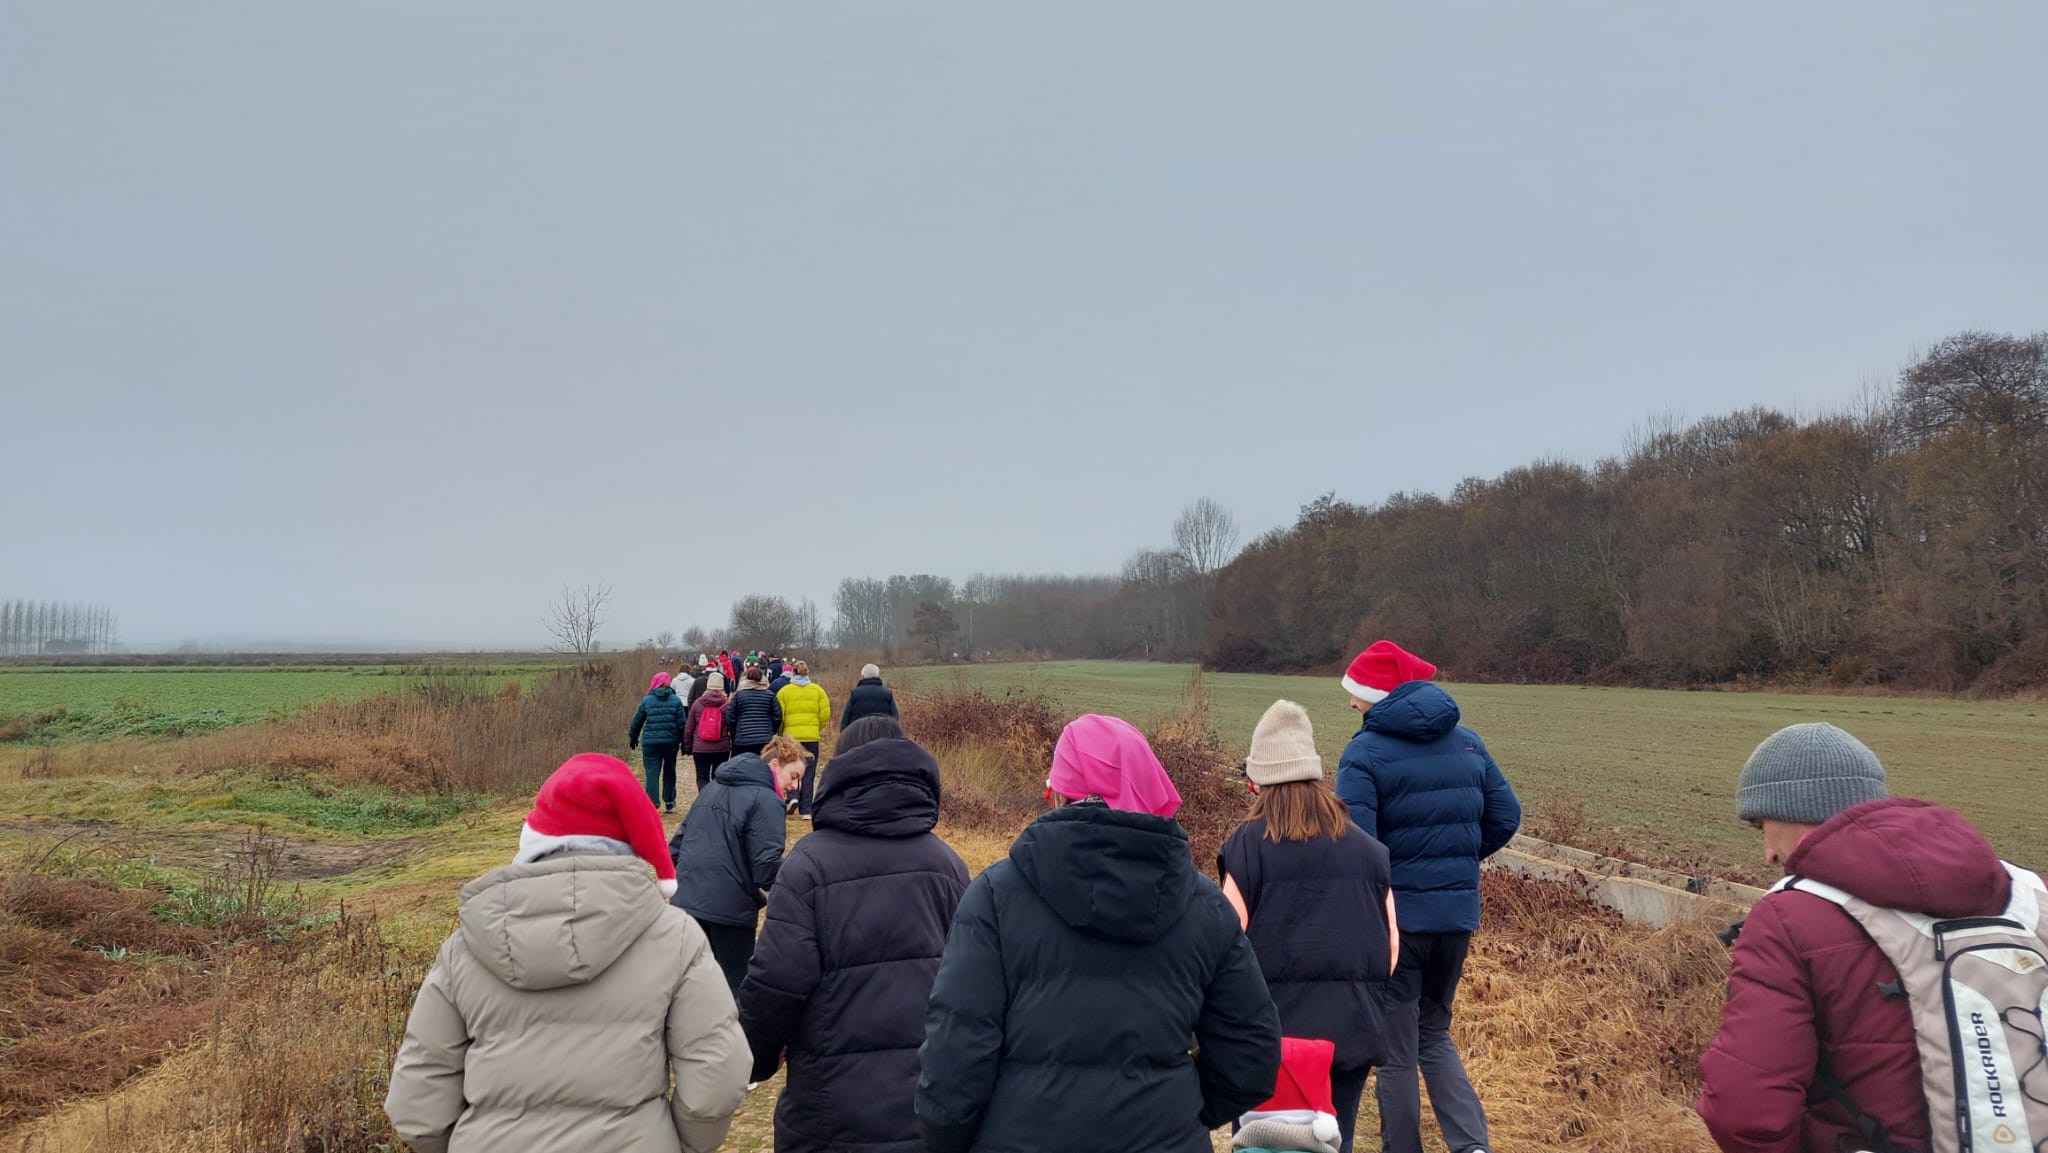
(1904,544)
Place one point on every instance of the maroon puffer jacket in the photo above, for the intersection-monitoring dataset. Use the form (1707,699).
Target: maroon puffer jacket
(1806,976)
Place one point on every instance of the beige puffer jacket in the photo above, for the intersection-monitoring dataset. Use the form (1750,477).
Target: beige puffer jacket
(555,1015)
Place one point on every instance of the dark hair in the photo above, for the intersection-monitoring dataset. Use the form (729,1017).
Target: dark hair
(867,730)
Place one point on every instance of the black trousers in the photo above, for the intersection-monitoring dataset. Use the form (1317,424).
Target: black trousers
(706,763)
(738,750)
(810,785)
(732,946)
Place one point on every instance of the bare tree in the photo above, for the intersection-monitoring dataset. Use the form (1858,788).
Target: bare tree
(578,616)
(767,623)
(810,631)
(1206,536)
(933,624)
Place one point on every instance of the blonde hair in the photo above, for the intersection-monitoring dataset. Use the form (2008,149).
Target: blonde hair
(803,668)
(783,749)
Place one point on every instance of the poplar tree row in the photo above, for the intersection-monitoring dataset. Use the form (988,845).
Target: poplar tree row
(30,627)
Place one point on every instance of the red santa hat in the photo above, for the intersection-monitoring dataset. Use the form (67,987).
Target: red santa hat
(591,800)
(1383,668)
(1302,1116)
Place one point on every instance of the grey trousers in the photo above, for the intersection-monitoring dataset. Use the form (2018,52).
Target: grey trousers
(1417,1010)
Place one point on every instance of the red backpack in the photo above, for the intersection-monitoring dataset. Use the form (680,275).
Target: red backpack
(711,722)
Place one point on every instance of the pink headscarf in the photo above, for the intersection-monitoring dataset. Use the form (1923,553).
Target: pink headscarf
(1107,757)
(660,679)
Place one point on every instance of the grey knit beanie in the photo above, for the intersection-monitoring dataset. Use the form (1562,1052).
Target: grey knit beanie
(1806,774)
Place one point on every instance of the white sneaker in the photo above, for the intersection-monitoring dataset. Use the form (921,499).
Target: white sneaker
(753,1085)
(807,818)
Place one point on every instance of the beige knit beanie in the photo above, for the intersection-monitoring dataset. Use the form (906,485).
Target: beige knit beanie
(1284,747)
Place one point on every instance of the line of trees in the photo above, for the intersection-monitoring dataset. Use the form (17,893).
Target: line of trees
(1904,544)
(31,627)
(1157,606)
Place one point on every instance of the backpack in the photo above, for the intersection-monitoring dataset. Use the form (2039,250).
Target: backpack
(711,724)
(1978,991)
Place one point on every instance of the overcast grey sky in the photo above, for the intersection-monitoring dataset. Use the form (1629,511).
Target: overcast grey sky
(384,321)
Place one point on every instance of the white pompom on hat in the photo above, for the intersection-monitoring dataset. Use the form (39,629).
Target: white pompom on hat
(1284,747)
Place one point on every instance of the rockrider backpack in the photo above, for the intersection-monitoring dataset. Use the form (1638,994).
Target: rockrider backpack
(1978,991)
(711,725)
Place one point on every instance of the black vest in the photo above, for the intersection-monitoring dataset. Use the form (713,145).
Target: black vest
(1319,926)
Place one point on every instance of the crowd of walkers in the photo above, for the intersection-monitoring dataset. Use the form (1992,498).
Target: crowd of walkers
(618,988)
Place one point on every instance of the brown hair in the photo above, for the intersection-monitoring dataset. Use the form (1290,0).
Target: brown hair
(783,748)
(803,668)
(1301,810)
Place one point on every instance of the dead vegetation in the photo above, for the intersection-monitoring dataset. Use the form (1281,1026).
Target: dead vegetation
(453,731)
(1582,1031)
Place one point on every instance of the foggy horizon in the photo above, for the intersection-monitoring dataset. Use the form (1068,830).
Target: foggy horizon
(380,326)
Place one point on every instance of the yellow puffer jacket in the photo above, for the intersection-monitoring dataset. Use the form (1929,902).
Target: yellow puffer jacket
(806,710)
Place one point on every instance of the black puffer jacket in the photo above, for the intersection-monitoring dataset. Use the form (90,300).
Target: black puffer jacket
(1077,973)
(844,965)
(869,698)
(753,717)
(659,720)
(1319,926)
(730,846)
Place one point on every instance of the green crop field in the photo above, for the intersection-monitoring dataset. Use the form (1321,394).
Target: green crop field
(1654,771)
(93,704)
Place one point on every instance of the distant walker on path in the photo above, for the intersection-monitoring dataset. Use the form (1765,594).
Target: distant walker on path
(869,698)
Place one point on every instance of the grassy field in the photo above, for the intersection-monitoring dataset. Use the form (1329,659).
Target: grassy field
(1653,771)
(94,704)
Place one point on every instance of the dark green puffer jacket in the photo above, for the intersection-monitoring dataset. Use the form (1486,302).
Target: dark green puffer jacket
(659,720)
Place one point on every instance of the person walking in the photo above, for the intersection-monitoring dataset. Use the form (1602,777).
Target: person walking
(730,846)
(657,731)
(844,966)
(710,736)
(806,710)
(1425,787)
(1315,894)
(869,698)
(573,1008)
(753,714)
(779,677)
(1817,1047)
(1097,991)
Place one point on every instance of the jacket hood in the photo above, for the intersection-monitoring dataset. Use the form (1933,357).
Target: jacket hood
(869,681)
(886,788)
(743,770)
(713,698)
(661,692)
(1109,872)
(1416,711)
(1904,854)
(560,921)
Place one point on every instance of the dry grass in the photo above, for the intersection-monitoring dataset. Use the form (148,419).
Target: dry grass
(1583,1032)
(295,1060)
(454,731)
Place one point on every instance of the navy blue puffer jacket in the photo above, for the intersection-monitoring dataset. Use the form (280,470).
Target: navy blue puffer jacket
(1428,789)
